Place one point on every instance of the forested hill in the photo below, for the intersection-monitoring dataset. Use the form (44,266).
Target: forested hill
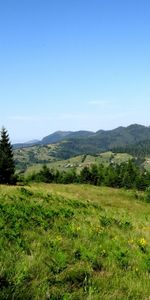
(81,142)
(140,149)
(103,140)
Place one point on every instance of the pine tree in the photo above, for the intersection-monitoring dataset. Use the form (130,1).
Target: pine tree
(7,166)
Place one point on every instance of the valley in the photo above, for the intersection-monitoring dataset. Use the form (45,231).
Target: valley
(76,149)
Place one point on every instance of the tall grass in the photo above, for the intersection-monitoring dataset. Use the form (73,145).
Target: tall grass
(73,242)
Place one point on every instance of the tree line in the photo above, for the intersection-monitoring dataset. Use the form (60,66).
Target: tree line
(126,175)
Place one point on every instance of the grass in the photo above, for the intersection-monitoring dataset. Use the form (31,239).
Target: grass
(31,159)
(74,242)
(78,162)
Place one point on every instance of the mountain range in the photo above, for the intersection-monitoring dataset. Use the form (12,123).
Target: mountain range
(68,143)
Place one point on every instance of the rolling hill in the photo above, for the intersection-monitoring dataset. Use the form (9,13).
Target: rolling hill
(64,145)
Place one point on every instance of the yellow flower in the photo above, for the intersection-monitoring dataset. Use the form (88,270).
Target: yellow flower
(142,242)
(58,238)
(78,228)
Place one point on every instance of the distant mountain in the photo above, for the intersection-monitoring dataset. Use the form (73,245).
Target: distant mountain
(33,142)
(123,135)
(26,144)
(55,137)
(103,140)
(65,135)
(80,142)
(80,134)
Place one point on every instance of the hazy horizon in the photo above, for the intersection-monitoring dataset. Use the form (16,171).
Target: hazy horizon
(40,138)
(73,65)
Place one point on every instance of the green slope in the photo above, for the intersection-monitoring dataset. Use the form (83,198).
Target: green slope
(103,141)
(73,242)
(25,157)
(68,144)
(79,162)
(134,140)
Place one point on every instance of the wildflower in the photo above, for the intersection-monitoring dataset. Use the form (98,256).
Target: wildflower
(78,228)
(58,238)
(142,242)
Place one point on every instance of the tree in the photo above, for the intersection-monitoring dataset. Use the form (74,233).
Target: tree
(7,166)
(45,175)
(94,174)
(85,175)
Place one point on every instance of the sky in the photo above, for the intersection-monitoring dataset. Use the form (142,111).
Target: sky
(73,65)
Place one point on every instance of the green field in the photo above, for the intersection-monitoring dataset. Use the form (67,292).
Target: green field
(31,159)
(80,161)
(74,242)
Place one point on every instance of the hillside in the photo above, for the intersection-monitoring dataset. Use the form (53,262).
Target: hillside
(74,242)
(80,161)
(140,149)
(70,144)
(55,137)
(25,157)
(63,135)
(103,141)
(65,147)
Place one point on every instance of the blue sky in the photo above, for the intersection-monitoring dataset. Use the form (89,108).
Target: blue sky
(73,64)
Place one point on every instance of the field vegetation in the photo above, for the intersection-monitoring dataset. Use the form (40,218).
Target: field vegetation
(124,175)
(74,242)
(68,232)
(32,159)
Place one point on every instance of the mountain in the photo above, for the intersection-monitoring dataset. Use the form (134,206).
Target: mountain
(103,140)
(33,142)
(26,144)
(55,137)
(122,136)
(140,149)
(80,134)
(65,135)
(68,143)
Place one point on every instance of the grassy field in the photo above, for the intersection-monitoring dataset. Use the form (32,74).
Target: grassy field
(74,242)
(80,161)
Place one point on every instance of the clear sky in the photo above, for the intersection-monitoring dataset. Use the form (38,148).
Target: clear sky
(73,64)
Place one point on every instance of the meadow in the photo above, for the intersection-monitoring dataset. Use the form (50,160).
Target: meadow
(25,156)
(65,242)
